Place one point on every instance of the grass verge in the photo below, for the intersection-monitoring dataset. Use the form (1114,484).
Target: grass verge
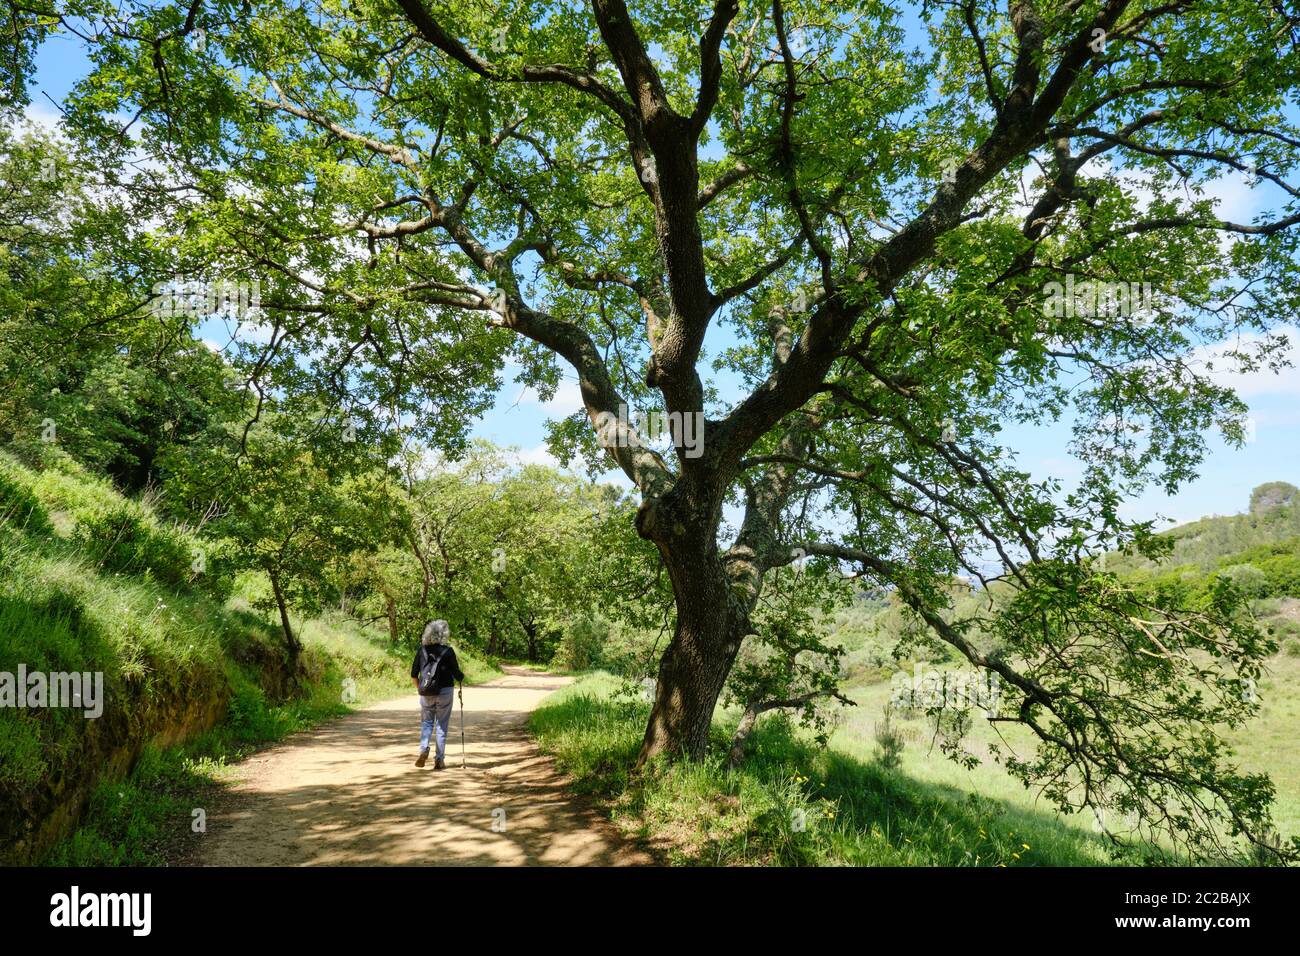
(791,804)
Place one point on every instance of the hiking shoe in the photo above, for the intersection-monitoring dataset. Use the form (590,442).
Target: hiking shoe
(438,764)
(424,755)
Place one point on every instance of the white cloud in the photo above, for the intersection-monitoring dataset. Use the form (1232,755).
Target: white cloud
(44,116)
(1224,370)
(538,455)
(566,400)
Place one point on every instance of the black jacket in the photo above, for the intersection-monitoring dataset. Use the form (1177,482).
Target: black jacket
(448,668)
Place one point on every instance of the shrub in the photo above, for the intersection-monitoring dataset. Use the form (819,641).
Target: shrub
(629,650)
(65,486)
(1283,574)
(1249,579)
(581,644)
(889,741)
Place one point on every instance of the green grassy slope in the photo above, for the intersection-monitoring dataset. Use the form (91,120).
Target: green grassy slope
(791,803)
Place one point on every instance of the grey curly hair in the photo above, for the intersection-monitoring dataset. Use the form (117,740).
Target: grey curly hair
(435,632)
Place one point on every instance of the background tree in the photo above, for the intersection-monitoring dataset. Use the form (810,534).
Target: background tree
(502,551)
(546,546)
(288,507)
(71,262)
(1271,495)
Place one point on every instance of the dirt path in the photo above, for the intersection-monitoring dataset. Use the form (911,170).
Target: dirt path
(348,793)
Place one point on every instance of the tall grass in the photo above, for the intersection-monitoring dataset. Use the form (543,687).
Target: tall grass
(791,803)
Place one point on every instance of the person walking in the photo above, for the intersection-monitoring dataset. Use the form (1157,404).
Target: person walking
(433,672)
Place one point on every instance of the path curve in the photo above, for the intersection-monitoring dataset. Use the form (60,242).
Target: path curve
(348,793)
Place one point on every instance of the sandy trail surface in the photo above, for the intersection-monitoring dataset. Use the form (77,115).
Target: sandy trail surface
(348,793)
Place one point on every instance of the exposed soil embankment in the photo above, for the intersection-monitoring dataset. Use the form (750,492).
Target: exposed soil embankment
(164,708)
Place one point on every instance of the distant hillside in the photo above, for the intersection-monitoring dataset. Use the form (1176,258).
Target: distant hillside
(1259,550)
(1271,526)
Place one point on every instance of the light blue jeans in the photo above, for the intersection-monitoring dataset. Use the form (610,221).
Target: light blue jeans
(435,709)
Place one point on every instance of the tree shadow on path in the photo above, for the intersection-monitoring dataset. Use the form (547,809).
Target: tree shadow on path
(348,793)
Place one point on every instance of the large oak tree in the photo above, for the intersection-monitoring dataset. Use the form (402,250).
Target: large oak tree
(853,211)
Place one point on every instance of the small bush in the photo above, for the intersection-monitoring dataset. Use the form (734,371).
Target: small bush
(889,741)
(581,644)
(1281,629)
(1283,575)
(1249,579)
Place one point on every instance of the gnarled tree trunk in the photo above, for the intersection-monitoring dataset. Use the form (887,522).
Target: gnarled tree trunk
(712,621)
(692,673)
(714,592)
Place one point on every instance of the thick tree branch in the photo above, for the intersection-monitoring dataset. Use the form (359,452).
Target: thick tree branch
(433,32)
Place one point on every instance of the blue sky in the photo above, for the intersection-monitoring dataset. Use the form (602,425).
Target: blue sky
(1226,477)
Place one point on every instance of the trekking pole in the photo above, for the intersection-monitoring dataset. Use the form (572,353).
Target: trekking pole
(460,693)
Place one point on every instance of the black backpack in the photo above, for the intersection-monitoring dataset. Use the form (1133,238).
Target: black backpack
(429,671)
